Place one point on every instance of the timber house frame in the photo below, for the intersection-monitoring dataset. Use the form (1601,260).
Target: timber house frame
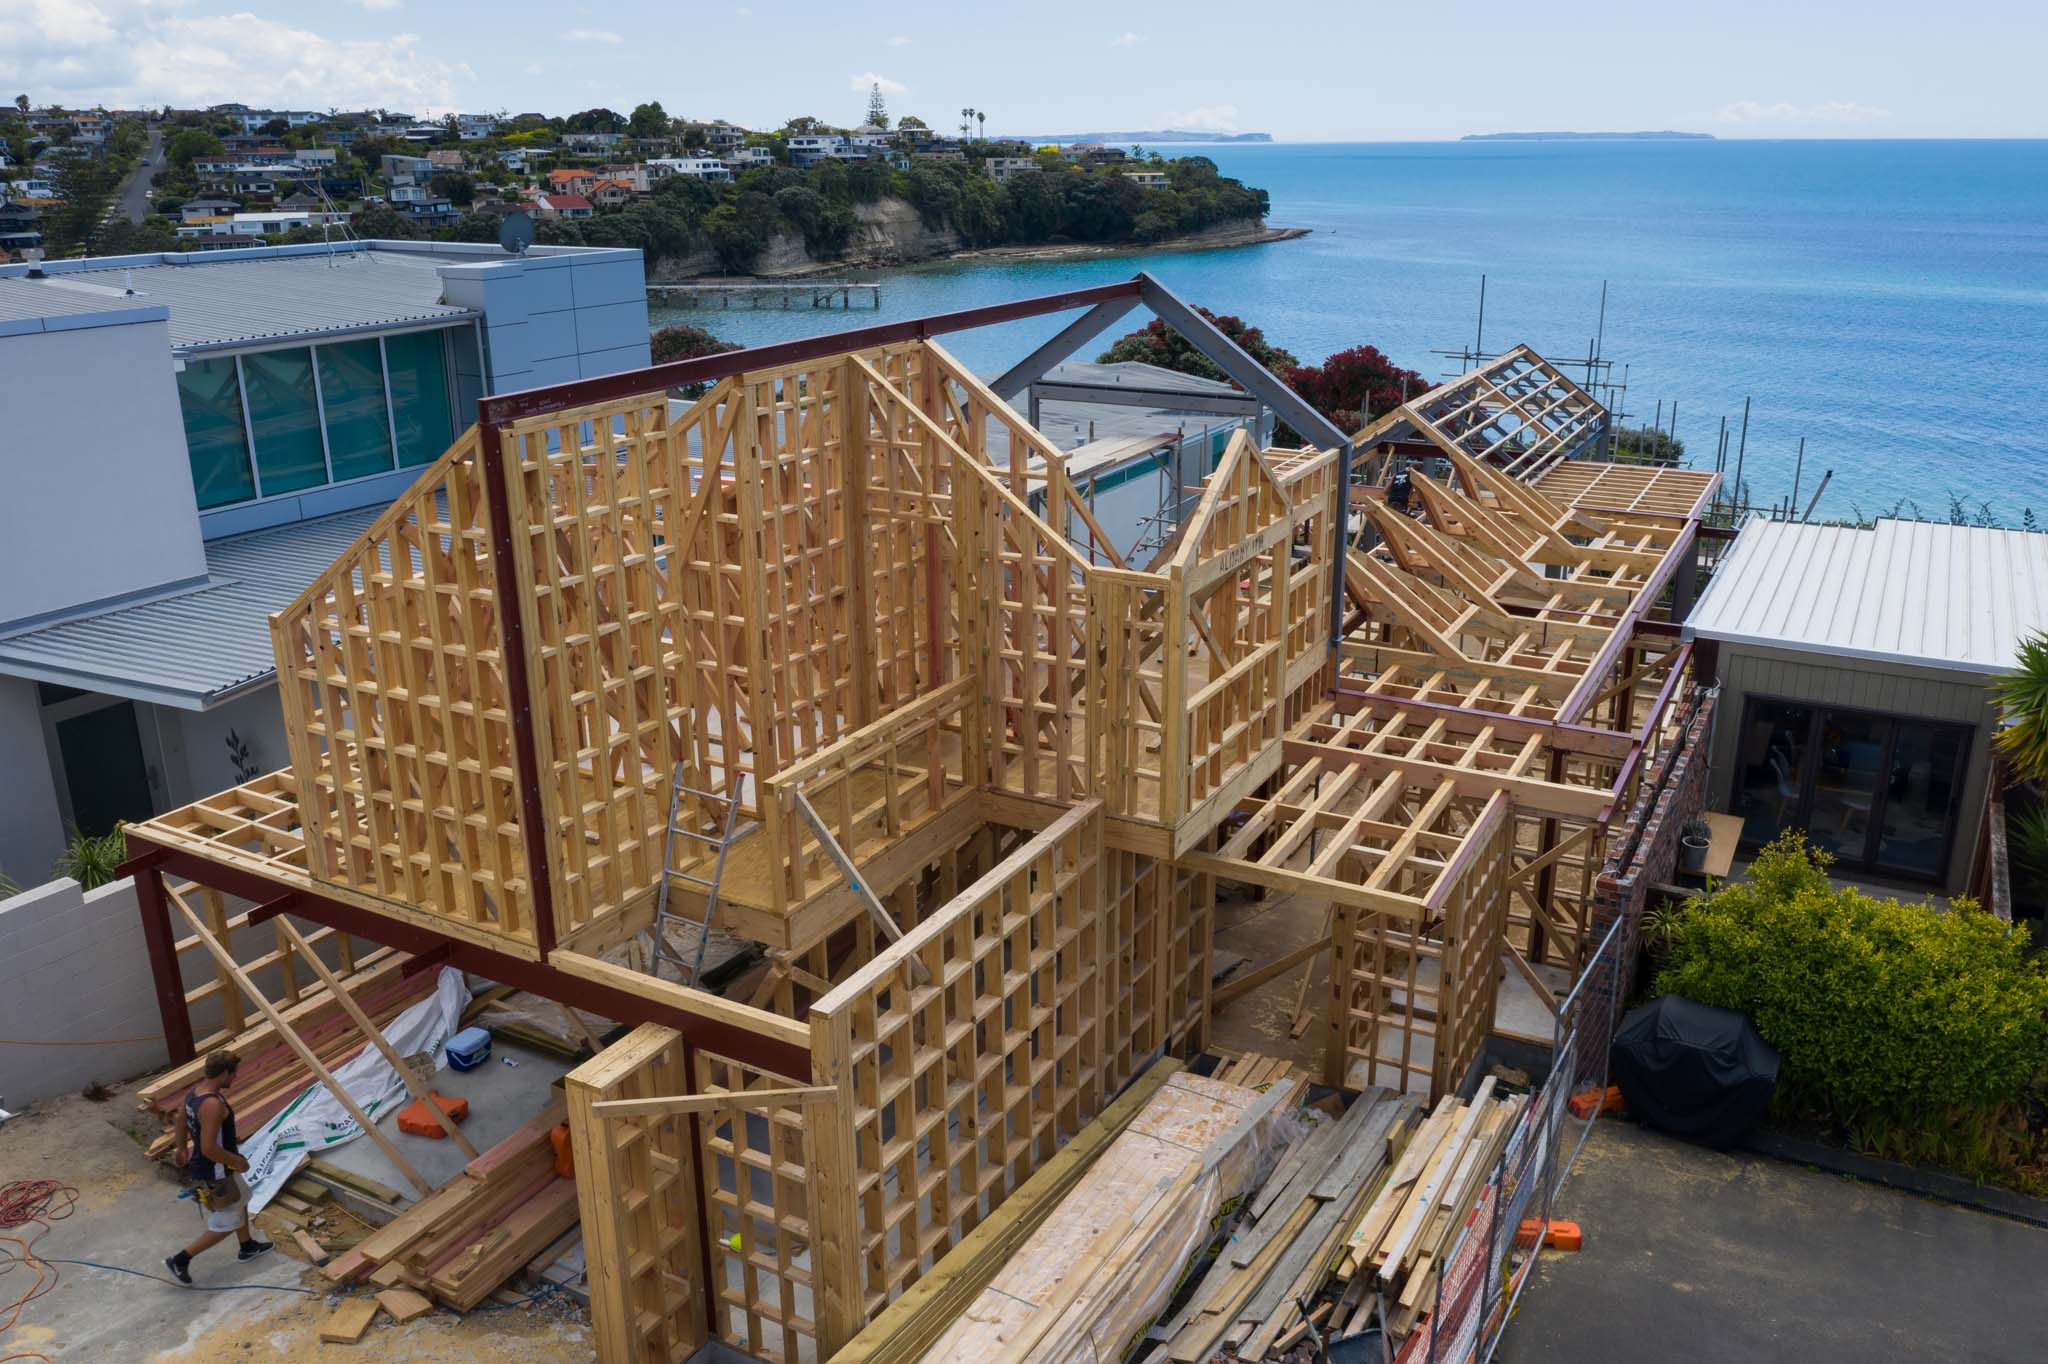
(852,590)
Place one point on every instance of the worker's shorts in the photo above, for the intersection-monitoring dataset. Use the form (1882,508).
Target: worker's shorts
(224,1203)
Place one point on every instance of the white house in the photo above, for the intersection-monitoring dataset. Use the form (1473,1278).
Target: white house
(721,136)
(746,158)
(696,167)
(475,127)
(253,119)
(252,411)
(1148,179)
(1001,168)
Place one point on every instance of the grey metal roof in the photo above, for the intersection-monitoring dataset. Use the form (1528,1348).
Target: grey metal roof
(196,648)
(26,307)
(1139,375)
(1911,592)
(231,302)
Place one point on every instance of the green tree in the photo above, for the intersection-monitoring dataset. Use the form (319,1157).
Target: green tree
(1158,344)
(457,187)
(878,108)
(2022,697)
(189,144)
(649,120)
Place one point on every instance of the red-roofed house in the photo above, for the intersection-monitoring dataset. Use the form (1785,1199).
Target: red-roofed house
(571,181)
(560,206)
(610,193)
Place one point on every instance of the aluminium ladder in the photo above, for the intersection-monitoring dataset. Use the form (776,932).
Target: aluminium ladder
(731,832)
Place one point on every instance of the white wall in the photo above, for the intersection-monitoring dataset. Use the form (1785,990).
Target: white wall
(31,835)
(195,751)
(98,497)
(549,319)
(74,968)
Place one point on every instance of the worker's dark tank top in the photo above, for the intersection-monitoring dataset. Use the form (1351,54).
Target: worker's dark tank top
(200,1165)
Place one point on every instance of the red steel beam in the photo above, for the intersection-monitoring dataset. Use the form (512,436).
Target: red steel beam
(532,402)
(163,956)
(537,977)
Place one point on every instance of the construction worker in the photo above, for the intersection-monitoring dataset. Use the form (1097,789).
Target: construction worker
(209,1153)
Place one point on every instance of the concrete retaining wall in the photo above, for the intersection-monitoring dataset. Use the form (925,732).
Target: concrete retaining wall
(73,968)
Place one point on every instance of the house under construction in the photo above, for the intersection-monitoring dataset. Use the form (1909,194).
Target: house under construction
(802,662)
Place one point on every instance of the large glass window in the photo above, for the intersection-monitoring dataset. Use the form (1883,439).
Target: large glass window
(417,364)
(210,394)
(1877,791)
(358,422)
(284,414)
(314,414)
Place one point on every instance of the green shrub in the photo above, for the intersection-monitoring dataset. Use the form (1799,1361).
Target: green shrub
(93,861)
(1890,1018)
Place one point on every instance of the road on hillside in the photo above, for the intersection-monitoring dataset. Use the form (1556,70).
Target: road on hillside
(132,202)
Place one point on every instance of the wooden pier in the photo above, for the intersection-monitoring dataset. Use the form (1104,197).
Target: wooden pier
(817,293)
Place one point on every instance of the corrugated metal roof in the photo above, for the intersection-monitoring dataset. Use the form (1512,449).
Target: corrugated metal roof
(1140,375)
(1914,592)
(225,302)
(197,648)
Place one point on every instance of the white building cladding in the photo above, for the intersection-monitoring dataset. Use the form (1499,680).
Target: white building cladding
(1856,667)
(198,437)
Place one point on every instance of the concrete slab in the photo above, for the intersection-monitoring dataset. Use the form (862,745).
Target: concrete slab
(128,1215)
(1695,1256)
(501,1099)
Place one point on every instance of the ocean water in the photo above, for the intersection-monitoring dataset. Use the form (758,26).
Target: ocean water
(1888,301)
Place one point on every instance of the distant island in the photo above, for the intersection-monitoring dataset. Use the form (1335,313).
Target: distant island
(1666,135)
(1156,135)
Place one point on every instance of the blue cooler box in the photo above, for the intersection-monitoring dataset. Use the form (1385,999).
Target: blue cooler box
(469,1048)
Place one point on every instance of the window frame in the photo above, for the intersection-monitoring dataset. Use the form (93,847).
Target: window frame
(312,344)
(1868,863)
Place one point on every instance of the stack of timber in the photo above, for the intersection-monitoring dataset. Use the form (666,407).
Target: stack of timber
(271,1074)
(1101,1268)
(1396,1252)
(462,1241)
(1288,1234)
(910,1325)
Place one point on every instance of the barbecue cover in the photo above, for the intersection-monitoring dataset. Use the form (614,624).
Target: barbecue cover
(1694,1070)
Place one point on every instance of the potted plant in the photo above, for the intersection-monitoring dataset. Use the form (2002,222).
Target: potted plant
(1693,838)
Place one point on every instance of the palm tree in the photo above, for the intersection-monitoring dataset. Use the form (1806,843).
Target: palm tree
(2023,697)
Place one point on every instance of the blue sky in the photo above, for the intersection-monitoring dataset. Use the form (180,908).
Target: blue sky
(1305,71)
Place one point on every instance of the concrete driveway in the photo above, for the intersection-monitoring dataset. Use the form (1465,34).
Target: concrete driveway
(128,1215)
(1695,1256)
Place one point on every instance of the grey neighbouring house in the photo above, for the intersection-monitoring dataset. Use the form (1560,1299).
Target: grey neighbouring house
(1856,668)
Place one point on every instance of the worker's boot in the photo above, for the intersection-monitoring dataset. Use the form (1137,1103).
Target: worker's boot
(180,1266)
(251,1249)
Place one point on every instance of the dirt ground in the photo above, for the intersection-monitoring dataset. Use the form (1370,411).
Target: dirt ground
(128,1215)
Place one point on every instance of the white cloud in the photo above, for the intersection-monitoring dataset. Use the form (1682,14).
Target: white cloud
(1125,40)
(862,80)
(593,35)
(1784,111)
(534,68)
(142,52)
(379,5)
(1210,118)
(899,41)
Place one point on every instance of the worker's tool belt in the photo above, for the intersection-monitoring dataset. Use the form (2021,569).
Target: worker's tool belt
(218,1193)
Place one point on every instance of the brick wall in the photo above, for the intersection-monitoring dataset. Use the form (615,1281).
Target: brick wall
(1672,792)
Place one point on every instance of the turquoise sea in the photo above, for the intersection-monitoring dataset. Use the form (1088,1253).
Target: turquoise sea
(1888,301)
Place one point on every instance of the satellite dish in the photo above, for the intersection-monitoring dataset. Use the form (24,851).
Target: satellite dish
(515,234)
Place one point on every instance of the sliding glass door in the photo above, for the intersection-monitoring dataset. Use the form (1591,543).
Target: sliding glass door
(1879,792)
